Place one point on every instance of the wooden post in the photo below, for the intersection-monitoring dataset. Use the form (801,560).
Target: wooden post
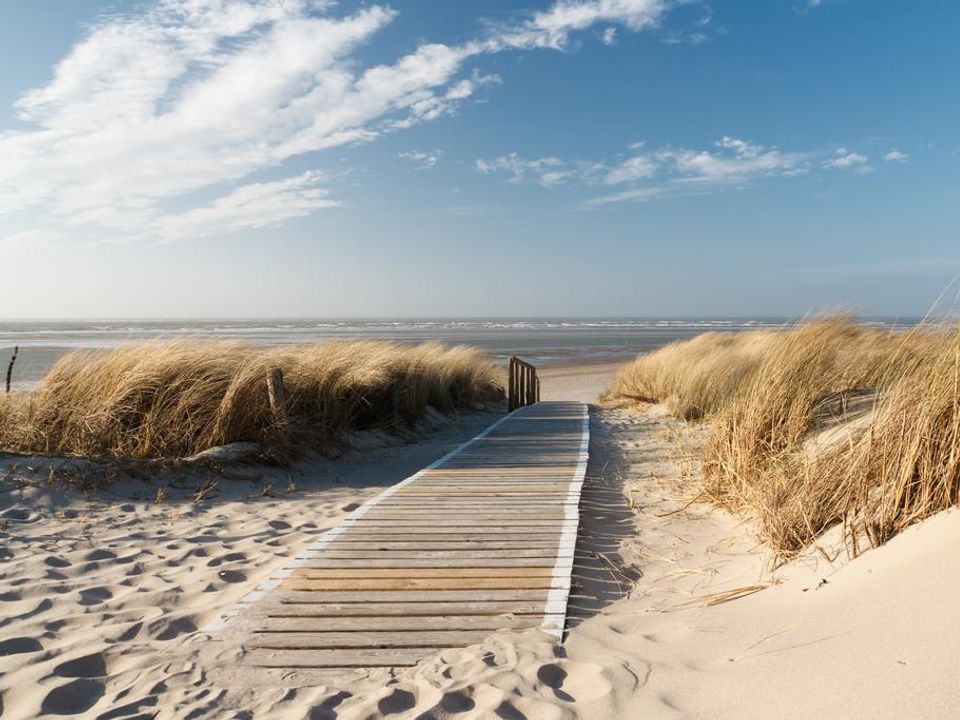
(278,400)
(13,359)
(523,386)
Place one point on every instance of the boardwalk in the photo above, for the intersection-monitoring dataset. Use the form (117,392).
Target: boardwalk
(481,540)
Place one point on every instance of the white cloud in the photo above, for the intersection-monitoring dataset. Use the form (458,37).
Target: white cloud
(545,171)
(736,160)
(609,36)
(649,174)
(253,205)
(645,194)
(733,161)
(552,27)
(844,159)
(202,95)
(634,168)
(896,156)
(421,160)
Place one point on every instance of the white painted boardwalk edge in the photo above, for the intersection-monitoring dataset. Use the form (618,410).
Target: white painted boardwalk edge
(555,609)
(556,604)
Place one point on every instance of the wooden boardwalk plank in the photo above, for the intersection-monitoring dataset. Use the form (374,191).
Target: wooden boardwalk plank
(386,596)
(360,639)
(364,658)
(434,571)
(413,583)
(468,564)
(481,541)
(396,623)
(409,610)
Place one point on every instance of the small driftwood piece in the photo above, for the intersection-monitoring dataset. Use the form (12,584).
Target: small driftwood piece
(10,366)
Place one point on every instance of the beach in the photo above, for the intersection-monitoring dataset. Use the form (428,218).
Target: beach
(479,361)
(106,596)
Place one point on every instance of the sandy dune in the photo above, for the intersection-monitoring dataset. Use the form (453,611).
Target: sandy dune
(674,611)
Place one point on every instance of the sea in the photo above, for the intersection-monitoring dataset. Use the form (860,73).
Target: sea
(540,341)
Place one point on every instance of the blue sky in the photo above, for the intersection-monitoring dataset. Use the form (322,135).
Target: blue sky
(280,158)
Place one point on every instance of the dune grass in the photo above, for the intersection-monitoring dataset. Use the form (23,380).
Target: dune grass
(767,395)
(176,398)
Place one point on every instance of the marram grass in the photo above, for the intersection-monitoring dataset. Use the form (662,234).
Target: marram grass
(176,398)
(768,396)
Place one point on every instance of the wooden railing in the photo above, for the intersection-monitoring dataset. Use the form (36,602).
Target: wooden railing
(524,385)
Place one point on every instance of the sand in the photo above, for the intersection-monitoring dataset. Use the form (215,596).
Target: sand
(674,611)
(576,382)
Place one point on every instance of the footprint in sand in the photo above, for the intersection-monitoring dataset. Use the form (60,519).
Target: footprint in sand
(553,676)
(456,702)
(94,596)
(581,681)
(56,561)
(232,576)
(75,697)
(169,629)
(131,710)
(18,645)
(399,701)
(86,666)
(279,525)
(97,555)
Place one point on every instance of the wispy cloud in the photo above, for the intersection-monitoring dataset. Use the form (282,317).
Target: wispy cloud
(546,171)
(421,160)
(204,95)
(844,159)
(896,156)
(652,174)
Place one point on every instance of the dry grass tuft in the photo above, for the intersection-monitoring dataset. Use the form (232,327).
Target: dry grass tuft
(176,398)
(695,377)
(827,422)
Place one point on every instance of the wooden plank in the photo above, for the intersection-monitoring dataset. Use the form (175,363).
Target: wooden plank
(376,529)
(460,517)
(429,556)
(414,562)
(452,583)
(396,623)
(359,639)
(449,537)
(428,572)
(406,610)
(435,543)
(394,657)
(387,596)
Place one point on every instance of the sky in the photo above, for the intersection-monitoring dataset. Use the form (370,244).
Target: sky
(305,158)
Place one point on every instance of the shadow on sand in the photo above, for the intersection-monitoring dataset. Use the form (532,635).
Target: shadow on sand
(600,576)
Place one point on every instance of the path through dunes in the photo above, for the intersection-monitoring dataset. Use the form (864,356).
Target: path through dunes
(482,540)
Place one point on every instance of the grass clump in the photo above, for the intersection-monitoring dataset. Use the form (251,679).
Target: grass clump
(823,423)
(176,398)
(697,377)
